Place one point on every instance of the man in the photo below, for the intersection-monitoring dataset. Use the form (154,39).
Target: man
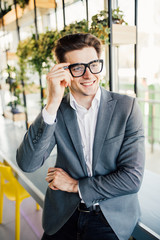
(93,187)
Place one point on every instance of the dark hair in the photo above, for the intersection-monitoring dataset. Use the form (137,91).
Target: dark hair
(75,42)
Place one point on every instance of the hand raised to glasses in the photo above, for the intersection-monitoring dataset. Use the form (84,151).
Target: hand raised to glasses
(57,80)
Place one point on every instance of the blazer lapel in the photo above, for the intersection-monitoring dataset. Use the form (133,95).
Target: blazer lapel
(105,113)
(70,119)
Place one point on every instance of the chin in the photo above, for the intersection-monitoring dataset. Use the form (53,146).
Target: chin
(90,92)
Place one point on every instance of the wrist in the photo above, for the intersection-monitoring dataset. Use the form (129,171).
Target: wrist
(51,109)
(75,187)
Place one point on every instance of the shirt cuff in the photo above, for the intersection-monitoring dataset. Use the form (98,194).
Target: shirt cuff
(48,118)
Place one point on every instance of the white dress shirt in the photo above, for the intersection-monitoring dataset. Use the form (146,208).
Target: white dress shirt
(87,120)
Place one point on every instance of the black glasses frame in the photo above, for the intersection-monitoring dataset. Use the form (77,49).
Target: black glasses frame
(86,65)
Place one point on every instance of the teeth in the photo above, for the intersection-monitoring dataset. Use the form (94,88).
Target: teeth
(87,84)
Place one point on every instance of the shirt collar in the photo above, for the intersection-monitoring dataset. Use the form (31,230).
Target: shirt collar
(95,101)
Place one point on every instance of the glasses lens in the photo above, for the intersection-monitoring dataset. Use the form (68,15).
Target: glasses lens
(96,66)
(77,70)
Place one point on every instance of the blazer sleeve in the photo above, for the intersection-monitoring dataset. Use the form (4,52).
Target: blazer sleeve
(36,146)
(128,176)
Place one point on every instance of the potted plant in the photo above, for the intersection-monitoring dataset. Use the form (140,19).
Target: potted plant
(5,10)
(75,27)
(15,89)
(40,54)
(99,26)
(23,53)
(118,16)
(22,3)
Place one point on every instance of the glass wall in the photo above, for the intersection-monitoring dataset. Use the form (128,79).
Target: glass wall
(148,72)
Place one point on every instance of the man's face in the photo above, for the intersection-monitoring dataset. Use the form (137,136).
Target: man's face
(87,84)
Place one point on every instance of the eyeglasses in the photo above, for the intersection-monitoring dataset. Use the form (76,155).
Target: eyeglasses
(79,69)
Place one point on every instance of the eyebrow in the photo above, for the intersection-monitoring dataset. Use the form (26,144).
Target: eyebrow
(74,64)
(84,63)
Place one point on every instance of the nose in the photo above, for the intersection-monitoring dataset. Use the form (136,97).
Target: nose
(87,73)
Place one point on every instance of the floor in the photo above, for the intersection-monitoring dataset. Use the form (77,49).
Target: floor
(31,219)
(31,228)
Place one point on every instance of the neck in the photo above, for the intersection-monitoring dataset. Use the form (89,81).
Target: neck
(85,102)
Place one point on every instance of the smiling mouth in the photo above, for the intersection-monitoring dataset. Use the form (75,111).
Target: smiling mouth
(88,83)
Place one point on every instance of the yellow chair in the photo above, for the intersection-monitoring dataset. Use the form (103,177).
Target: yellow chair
(14,191)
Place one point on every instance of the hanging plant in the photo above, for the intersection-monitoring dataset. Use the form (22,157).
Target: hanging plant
(40,51)
(23,54)
(15,88)
(118,16)
(99,25)
(76,27)
(41,55)
(22,3)
(5,11)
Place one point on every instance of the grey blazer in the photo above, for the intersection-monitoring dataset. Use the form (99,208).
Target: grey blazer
(118,162)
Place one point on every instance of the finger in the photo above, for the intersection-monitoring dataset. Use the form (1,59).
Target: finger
(58,68)
(53,174)
(57,73)
(62,77)
(60,65)
(54,75)
(52,186)
(51,169)
(55,169)
(49,174)
(49,179)
(54,71)
(61,171)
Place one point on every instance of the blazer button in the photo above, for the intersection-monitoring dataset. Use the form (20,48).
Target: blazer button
(37,138)
(40,130)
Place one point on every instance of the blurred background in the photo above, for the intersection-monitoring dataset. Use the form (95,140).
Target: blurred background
(132,63)
(130,34)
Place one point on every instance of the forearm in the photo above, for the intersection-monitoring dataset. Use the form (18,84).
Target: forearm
(125,180)
(101,188)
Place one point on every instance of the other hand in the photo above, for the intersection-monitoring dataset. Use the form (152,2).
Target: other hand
(58,179)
